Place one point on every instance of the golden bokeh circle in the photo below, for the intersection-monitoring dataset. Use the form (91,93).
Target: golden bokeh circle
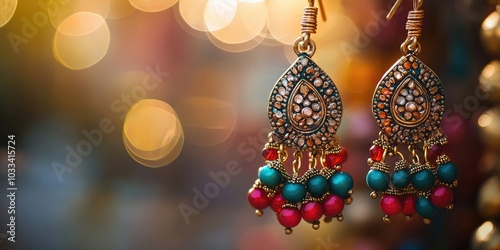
(81,40)
(7,10)
(152,133)
(152,5)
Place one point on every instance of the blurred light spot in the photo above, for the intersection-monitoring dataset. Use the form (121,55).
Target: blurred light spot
(239,47)
(491,21)
(484,120)
(152,5)
(219,14)
(7,10)
(119,9)
(192,12)
(208,121)
(284,19)
(59,11)
(248,23)
(484,231)
(81,40)
(152,133)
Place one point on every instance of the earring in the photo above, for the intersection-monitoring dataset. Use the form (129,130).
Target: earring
(304,111)
(408,105)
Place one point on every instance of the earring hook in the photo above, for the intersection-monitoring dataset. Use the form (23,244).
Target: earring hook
(321,8)
(416,5)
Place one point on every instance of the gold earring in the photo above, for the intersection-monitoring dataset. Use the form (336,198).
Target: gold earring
(304,111)
(408,105)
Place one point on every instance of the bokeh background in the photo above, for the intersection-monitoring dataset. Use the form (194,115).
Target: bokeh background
(88,172)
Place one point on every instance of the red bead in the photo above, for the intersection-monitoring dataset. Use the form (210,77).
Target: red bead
(409,201)
(441,196)
(376,153)
(270,154)
(435,151)
(332,160)
(289,217)
(333,205)
(257,197)
(391,204)
(311,211)
(277,201)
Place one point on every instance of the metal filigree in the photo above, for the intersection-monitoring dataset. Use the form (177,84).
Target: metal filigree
(305,109)
(408,103)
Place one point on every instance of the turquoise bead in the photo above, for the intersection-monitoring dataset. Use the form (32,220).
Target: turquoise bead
(401,178)
(293,192)
(377,180)
(425,208)
(317,186)
(340,183)
(423,180)
(447,172)
(270,177)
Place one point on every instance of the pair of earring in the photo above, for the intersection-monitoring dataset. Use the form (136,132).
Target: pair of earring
(305,111)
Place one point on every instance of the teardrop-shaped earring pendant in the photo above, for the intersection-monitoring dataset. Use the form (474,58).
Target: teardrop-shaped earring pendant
(305,108)
(408,103)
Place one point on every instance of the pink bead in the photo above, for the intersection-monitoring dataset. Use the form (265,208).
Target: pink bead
(277,201)
(409,201)
(257,197)
(441,196)
(333,205)
(434,152)
(289,217)
(391,204)
(311,211)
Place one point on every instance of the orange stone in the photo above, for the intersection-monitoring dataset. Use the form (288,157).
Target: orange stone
(388,130)
(415,65)
(385,91)
(380,105)
(386,122)
(382,114)
(437,97)
(407,65)
(415,114)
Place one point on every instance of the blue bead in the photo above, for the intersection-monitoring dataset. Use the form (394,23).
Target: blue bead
(401,178)
(340,183)
(425,208)
(270,177)
(447,172)
(293,192)
(423,180)
(317,186)
(377,180)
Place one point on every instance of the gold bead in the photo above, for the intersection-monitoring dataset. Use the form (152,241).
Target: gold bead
(374,195)
(369,161)
(490,33)
(348,200)
(327,219)
(315,225)
(391,154)
(350,192)
(288,231)
(489,127)
(489,198)
(386,219)
(427,221)
(340,218)
(338,168)
(408,217)
(489,80)
(450,206)
(259,213)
